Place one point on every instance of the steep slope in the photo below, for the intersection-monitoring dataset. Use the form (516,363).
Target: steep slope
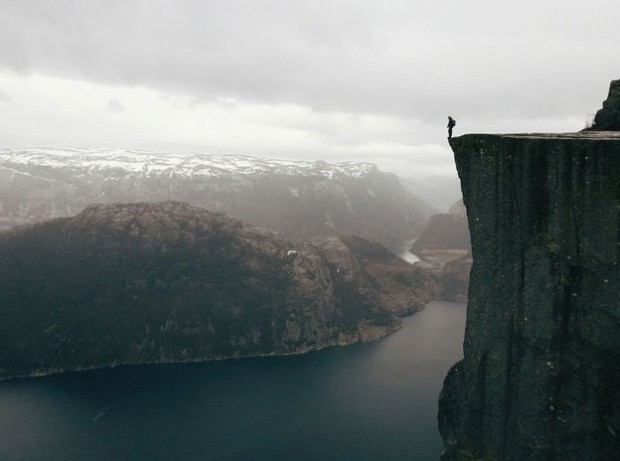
(167,282)
(445,231)
(403,289)
(541,372)
(301,200)
(444,250)
(453,278)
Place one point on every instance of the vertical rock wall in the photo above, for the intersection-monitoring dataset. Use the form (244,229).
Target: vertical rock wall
(541,375)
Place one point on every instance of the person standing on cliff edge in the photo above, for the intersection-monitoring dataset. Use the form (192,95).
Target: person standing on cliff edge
(451,124)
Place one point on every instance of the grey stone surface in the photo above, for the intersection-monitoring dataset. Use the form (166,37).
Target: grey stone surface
(540,379)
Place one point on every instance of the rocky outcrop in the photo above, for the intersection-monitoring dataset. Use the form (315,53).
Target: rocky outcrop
(301,200)
(446,275)
(608,118)
(444,250)
(541,368)
(445,231)
(453,279)
(401,288)
(169,282)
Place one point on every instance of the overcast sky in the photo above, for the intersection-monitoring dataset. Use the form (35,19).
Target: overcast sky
(324,79)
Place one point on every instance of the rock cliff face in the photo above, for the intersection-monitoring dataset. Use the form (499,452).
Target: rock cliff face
(170,282)
(541,372)
(301,200)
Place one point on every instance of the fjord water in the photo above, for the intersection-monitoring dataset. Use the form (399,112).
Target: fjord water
(374,401)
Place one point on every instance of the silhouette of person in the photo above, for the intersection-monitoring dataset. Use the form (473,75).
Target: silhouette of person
(451,123)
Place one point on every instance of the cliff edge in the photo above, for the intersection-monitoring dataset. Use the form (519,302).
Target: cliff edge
(540,378)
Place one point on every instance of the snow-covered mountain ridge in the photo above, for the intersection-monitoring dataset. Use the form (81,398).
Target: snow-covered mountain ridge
(143,162)
(300,199)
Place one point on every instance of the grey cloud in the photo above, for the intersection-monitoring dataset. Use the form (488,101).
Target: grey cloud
(115,106)
(4,97)
(421,59)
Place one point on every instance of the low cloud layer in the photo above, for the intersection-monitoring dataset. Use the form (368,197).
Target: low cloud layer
(341,75)
(115,106)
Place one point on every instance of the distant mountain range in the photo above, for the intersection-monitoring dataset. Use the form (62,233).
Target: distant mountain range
(170,282)
(301,200)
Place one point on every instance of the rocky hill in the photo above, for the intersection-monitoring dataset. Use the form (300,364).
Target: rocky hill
(445,231)
(444,250)
(301,200)
(169,282)
(451,277)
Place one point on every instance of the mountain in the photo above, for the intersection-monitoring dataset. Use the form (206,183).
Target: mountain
(170,282)
(444,250)
(301,200)
(445,231)
(541,368)
(402,288)
(453,278)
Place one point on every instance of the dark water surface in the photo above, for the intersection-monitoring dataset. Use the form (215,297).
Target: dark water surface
(375,401)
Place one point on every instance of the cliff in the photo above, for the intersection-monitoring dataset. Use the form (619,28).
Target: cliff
(300,199)
(541,369)
(169,282)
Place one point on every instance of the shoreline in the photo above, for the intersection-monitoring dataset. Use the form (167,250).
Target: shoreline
(338,342)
